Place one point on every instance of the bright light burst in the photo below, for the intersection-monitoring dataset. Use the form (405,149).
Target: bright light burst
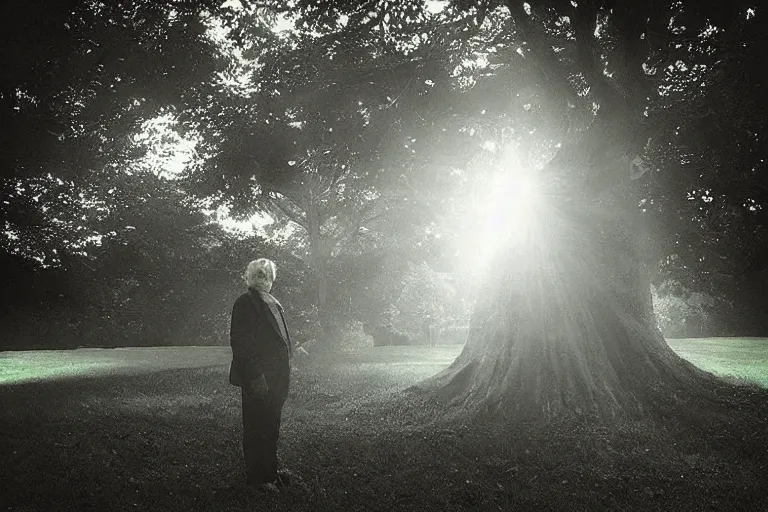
(513,203)
(507,215)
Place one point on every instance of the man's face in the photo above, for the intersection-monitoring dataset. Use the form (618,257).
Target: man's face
(261,281)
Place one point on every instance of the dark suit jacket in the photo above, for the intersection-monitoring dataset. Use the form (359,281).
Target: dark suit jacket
(258,348)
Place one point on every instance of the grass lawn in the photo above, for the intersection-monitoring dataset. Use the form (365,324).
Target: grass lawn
(738,357)
(159,429)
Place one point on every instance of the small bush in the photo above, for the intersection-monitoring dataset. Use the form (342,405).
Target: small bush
(386,335)
(352,338)
(678,309)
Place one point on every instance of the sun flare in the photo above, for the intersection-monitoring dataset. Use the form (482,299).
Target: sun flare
(507,215)
(513,205)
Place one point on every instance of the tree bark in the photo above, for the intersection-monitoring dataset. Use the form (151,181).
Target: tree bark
(318,257)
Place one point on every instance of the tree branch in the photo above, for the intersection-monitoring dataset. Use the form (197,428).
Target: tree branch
(291,215)
(550,68)
(271,6)
(357,225)
(631,23)
(584,23)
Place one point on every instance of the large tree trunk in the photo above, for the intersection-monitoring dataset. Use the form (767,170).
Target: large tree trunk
(318,256)
(565,321)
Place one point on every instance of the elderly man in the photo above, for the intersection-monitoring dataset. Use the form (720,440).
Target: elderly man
(261,351)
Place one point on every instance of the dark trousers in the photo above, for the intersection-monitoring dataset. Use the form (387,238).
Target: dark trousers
(261,429)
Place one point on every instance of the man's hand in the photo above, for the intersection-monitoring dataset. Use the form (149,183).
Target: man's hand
(259,388)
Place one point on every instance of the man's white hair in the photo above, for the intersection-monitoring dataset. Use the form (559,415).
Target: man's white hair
(259,271)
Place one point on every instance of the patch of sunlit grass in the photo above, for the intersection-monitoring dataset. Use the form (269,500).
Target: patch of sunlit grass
(745,358)
(17,367)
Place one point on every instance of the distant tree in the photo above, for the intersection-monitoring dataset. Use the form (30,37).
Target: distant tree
(677,309)
(427,297)
(163,273)
(299,140)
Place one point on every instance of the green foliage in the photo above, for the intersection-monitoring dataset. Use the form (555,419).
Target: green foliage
(162,273)
(679,309)
(707,203)
(311,138)
(79,79)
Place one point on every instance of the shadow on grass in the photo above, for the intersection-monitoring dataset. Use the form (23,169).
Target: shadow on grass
(171,441)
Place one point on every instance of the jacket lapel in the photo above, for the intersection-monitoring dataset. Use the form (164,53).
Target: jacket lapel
(263,309)
(288,334)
